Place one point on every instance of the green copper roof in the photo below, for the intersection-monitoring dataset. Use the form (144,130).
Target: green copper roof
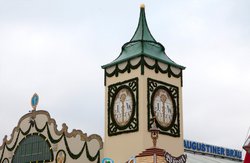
(143,44)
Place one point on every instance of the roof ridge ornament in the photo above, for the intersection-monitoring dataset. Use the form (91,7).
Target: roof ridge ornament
(34,101)
(142,5)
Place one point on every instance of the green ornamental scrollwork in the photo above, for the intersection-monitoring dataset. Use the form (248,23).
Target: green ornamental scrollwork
(168,124)
(123,107)
(142,62)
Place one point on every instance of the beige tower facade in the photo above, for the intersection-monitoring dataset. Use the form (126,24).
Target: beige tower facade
(142,85)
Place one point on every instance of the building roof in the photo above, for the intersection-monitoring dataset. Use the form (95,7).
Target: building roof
(191,157)
(143,44)
(198,158)
(151,152)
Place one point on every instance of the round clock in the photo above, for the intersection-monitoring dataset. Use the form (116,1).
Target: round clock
(123,106)
(163,107)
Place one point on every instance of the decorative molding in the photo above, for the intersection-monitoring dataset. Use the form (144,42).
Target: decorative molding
(143,62)
(62,134)
(174,128)
(133,123)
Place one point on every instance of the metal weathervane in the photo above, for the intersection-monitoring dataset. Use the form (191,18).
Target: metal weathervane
(34,101)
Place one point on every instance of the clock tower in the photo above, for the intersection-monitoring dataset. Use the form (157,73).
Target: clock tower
(142,86)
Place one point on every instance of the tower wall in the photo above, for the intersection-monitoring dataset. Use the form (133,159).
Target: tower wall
(123,146)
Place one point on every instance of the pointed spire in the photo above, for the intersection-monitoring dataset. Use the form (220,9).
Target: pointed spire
(142,32)
(143,44)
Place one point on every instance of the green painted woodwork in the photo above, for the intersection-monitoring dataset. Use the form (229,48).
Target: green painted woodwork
(34,148)
(143,44)
(174,128)
(133,124)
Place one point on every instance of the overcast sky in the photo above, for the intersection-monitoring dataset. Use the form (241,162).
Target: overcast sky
(56,48)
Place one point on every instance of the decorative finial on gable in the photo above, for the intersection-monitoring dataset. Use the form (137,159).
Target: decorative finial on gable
(34,101)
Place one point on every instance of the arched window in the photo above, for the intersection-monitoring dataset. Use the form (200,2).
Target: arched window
(33,149)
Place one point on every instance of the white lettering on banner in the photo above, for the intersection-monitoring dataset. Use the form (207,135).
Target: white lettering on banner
(211,149)
(171,159)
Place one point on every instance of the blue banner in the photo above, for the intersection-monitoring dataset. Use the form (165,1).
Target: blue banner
(211,149)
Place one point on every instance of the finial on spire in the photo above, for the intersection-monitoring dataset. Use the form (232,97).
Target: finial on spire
(142,5)
(34,101)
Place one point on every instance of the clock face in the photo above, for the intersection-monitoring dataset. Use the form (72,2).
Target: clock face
(163,107)
(123,107)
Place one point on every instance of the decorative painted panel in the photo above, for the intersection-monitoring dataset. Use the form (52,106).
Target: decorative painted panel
(123,107)
(61,156)
(163,106)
